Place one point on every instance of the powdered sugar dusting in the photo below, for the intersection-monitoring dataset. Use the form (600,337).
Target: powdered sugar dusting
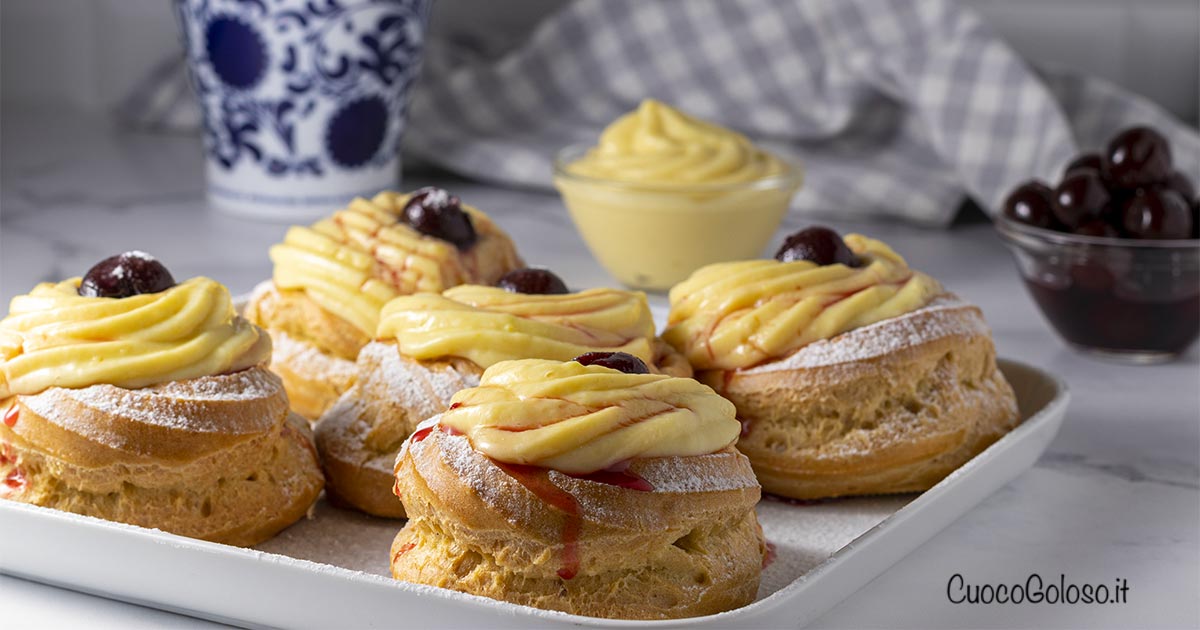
(338,537)
(477,472)
(287,350)
(186,405)
(424,424)
(424,391)
(704,473)
(945,316)
(804,537)
(701,473)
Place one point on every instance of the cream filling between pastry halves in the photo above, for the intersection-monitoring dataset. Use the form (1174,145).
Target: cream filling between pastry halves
(579,419)
(53,337)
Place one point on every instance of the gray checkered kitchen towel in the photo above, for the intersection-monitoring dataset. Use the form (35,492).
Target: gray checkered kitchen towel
(896,107)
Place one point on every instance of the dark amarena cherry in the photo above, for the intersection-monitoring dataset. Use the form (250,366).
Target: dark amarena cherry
(1091,161)
(1181,184)
(1196,218)
(436,212)
(820,245)
(1079,198)
(1031,203)
(123,275)
(1105,296)
(1115,209)
(533,281)
(1158,213)
(1138,156)
(622,361)
(1097,227)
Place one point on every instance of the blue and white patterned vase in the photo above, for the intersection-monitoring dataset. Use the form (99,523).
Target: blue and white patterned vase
(304,101)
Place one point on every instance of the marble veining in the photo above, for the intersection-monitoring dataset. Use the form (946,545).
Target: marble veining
(1176,474)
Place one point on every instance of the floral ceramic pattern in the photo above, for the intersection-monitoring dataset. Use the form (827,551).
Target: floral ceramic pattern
(264,69)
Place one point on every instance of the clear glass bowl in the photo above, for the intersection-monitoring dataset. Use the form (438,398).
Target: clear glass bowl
(654,236)
(1132,300)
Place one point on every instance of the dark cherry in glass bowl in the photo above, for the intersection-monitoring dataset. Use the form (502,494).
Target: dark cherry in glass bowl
(1133,300)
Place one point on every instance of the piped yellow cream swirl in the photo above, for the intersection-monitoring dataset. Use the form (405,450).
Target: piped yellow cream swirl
(353,262)
(658,144)
(488,325)
(740,314)
(53,337)
(579,419)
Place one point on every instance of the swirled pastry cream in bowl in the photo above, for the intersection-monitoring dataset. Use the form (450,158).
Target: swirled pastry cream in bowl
(333,277)
(662,194)
(429,346)
(593,487)
(132,398)
(852,373)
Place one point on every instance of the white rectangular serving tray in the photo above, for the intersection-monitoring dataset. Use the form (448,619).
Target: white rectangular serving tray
(331,570)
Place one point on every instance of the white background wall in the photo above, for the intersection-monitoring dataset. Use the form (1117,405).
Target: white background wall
(87,54)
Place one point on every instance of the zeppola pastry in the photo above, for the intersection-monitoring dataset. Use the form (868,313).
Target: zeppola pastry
(596,489)
(331,280)
(852,373)
(132,398)
(429,346)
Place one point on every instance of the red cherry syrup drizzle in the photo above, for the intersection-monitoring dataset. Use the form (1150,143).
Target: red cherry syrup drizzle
(421,434)
(767,496)
(15,479)
(537,480)
(10,416)
(618,475)
(770,556)
(405,548)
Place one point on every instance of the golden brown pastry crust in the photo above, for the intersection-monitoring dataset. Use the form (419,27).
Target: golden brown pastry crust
(218,457)
(359,436)
(893,407)
(669,361)
(313,349)
(293,313)
(691,547)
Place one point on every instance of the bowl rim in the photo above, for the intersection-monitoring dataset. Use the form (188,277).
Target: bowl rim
(792,177)
(1015,231)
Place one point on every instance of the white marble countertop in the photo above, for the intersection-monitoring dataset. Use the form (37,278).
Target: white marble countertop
(1116,496)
